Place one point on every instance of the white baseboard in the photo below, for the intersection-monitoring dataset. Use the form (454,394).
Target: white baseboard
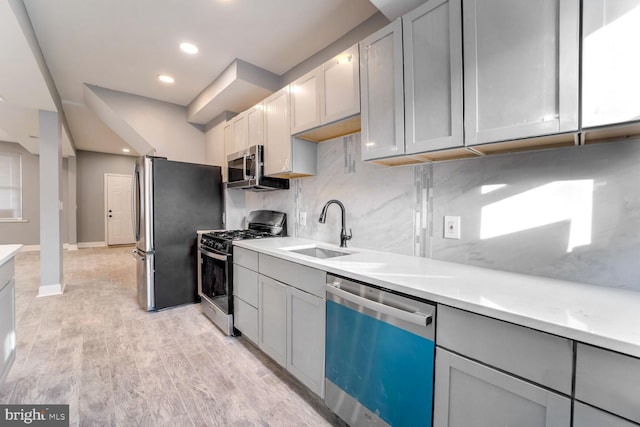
(83,245)
(50,290)
(66,247)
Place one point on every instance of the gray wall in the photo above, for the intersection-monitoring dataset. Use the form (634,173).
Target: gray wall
(27,233)
(91,168)
(575,213)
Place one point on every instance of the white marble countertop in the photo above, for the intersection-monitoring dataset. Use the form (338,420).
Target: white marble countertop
(605,317)
(7,252)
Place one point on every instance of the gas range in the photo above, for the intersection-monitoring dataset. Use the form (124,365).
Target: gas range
(221,241)
(215,263)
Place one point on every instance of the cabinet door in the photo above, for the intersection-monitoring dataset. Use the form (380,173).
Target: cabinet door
(341,86)
(240,132)
(610,68)
(381,93)
(520,68)
(470,394)
(7,326)
(588,416)
(245,319)
(608,380)
(277,149)
(245,284)
(272,319)
(433,76)
(305,344)
(305,101)
(228,147)
(255,119)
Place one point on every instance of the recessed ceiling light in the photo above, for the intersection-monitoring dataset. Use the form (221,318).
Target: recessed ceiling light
(126,150)
(189,48)
(164,78)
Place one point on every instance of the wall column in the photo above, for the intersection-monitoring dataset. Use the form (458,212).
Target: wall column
(51,273)
(72,205)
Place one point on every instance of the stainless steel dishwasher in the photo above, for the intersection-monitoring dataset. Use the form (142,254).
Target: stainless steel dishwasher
(379,355)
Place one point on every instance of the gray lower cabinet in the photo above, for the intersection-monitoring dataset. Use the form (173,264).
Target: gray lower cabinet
(608,380)
(588,416)
(291,318)
(245,293)
(536,356)
(272,309)
(7,319)
(305,344)
(468,393)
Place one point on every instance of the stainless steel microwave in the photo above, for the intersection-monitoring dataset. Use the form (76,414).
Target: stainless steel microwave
(245,171)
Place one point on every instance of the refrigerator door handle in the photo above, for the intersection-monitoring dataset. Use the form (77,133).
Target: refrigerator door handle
(135,200)
(137,255)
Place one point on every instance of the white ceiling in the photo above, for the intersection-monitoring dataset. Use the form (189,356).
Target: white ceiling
(123,45)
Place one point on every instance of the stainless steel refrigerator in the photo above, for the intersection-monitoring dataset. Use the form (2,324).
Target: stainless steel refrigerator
(172,200)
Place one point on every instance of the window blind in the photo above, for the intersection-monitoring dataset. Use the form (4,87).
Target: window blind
(10,186)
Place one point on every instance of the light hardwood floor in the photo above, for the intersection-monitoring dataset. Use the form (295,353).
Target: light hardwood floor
(114,364)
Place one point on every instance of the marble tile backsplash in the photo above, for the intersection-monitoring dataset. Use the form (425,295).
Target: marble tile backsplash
(378,200)
(569,213)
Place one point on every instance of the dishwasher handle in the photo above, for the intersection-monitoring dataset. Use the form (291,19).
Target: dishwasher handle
(415,317)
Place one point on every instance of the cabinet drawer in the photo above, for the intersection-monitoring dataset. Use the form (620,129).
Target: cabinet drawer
(302,277)
(6,272)
(587,416)
(537,356)
(245,284)
(608,380)
(245,258)
(245,319)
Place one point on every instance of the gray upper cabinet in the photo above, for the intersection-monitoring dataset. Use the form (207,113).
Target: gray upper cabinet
(610,66)
(341,86)
(305,101)
(468,393)
(277,130)
(521,61)
(381,93)
(432,39)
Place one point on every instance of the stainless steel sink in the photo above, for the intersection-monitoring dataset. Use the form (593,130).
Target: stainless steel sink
(318,252)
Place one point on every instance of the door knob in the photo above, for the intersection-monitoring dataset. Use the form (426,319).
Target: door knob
(110,211)
(110,216)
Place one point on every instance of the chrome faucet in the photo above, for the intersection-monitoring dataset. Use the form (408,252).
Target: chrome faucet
(343,233)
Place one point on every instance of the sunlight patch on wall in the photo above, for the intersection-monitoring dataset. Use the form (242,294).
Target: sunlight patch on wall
(554,202)
(485,189)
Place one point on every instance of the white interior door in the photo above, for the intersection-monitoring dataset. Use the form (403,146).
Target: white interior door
(118,209)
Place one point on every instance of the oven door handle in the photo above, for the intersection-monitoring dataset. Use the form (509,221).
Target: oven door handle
(212,254)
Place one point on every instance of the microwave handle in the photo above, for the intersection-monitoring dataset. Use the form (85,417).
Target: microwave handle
(244,167)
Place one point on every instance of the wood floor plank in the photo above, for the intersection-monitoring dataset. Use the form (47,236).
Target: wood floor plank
(117,365)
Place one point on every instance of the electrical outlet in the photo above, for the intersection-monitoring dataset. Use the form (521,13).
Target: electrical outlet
(302,219)
(452,227)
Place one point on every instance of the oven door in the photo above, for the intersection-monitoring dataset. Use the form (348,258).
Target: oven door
(215,276)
